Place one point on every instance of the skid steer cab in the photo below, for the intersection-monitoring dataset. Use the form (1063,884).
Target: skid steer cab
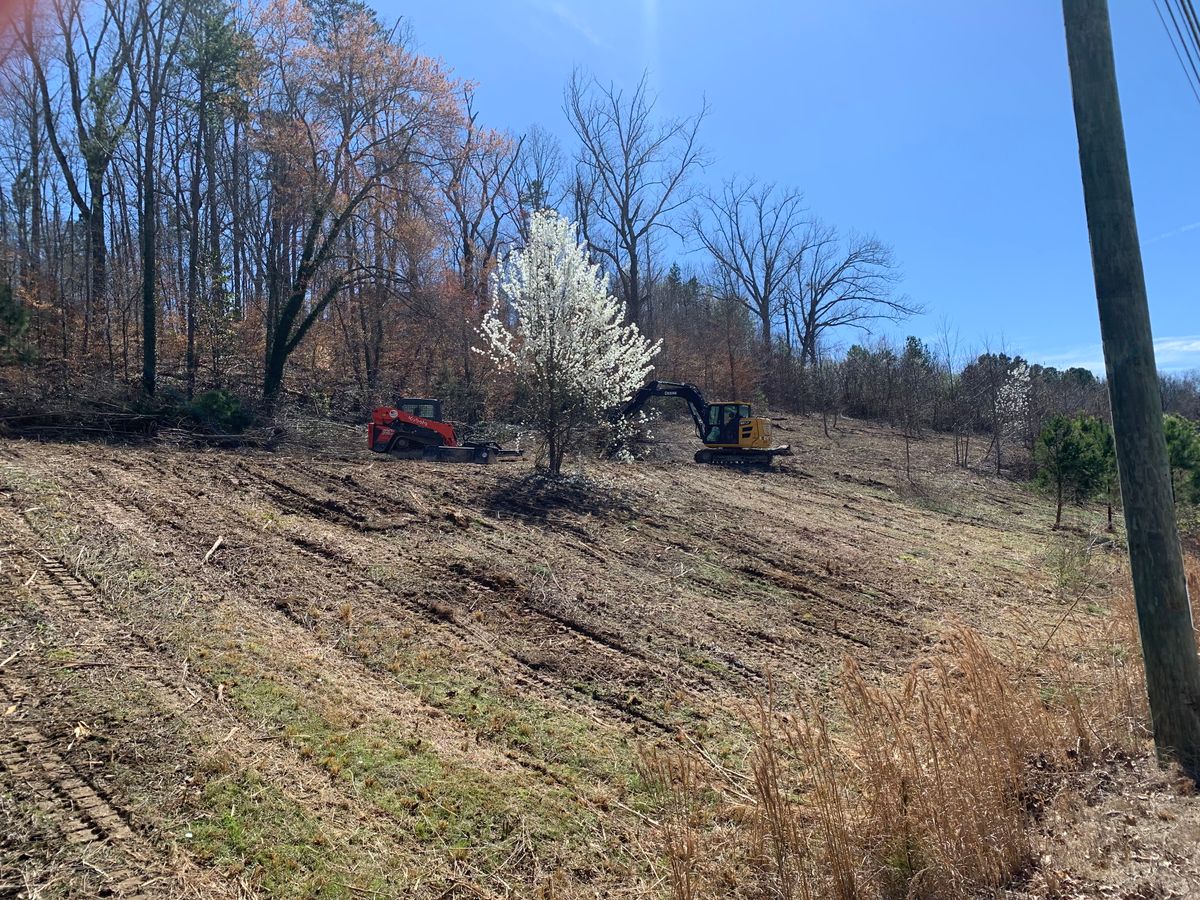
(414,429)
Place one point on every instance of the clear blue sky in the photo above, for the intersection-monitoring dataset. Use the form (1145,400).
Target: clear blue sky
(944,127)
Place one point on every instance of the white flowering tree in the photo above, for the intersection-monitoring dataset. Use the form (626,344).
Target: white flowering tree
(1012,405)
(554,323)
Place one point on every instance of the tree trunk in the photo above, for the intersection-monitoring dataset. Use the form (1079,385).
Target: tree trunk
(273,376)
(98,258)
(238,230)
(633,303)
(149,263)
(193,273)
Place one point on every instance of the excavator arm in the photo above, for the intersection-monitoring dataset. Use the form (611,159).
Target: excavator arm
(688,392)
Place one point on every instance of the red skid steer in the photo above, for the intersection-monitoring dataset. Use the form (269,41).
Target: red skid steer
(414,429)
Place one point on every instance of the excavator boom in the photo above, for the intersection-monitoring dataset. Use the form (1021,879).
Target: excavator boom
(688,392)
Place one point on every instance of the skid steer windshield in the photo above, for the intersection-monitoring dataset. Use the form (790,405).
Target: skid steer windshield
(426,409)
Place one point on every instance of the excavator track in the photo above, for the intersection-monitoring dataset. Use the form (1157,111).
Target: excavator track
(741,459)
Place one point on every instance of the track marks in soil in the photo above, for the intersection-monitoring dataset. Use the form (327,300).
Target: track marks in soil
(70,804)
(394,590)
(68,798)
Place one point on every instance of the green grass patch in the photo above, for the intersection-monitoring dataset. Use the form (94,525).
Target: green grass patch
(249,828)
(702,661)
(463,813)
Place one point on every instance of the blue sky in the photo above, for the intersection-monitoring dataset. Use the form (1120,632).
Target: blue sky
(943,127)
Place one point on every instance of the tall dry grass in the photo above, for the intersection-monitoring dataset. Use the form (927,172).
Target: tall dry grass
(922,788)
(926,786)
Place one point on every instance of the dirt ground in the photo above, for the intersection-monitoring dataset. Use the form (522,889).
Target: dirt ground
(294,674)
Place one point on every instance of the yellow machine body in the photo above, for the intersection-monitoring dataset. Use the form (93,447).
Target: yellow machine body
(729,426)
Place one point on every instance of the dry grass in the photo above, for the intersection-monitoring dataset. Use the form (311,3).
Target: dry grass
(450,678)
(925,787)
(930,785)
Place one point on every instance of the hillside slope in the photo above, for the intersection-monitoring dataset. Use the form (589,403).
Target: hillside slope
(289,674)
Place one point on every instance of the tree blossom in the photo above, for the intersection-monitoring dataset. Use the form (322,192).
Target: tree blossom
(1012,401)
(555,324)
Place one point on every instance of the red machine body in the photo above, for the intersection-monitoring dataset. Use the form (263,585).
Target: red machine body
(388,422)
(414,429)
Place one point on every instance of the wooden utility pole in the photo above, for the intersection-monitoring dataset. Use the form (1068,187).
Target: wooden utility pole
(1159,585)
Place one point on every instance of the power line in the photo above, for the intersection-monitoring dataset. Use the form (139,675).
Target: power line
(1183,48)
(1189,12)
(1193,21)
(1189,38)
(1184,39)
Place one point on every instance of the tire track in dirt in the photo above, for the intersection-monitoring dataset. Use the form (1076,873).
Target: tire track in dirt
(72,804)
(75,602)
(71,800)
(312,508)
(585,652)
(554,649)
(120,506)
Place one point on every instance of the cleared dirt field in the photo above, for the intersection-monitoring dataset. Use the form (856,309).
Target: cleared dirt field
(285,674)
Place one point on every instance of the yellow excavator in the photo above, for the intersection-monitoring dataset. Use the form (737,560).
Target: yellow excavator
(732,435)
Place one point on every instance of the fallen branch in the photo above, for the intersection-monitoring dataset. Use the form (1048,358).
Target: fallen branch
(213,549)
(11,657)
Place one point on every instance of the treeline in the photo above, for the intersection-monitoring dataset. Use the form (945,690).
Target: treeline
(995,405)
(1076,461)
(289,197)
(288,201)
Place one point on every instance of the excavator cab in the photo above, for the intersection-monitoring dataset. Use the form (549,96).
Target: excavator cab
(722,426)
(732,426)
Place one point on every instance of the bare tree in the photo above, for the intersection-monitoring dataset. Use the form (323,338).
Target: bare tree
(340,119)
(754,235)
(538,176)
(96,56)
(158,48)
(631,175)
(843,283)
(477,178)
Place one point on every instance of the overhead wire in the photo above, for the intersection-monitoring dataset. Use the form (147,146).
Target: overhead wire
(1185,45)
(1189,12)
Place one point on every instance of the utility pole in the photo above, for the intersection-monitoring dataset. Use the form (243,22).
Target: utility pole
(1159,585)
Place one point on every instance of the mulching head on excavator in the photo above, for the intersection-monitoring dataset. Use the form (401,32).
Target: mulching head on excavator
(414,429)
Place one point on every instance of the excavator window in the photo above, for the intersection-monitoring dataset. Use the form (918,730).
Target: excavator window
(722,422)
(727,413)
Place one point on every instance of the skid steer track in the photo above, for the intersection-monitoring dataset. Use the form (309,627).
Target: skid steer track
(69,803)
(64,798)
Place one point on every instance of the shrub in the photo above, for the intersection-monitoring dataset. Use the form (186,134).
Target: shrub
(1074,455)
(220,411)
(1183,450)
(14,321)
